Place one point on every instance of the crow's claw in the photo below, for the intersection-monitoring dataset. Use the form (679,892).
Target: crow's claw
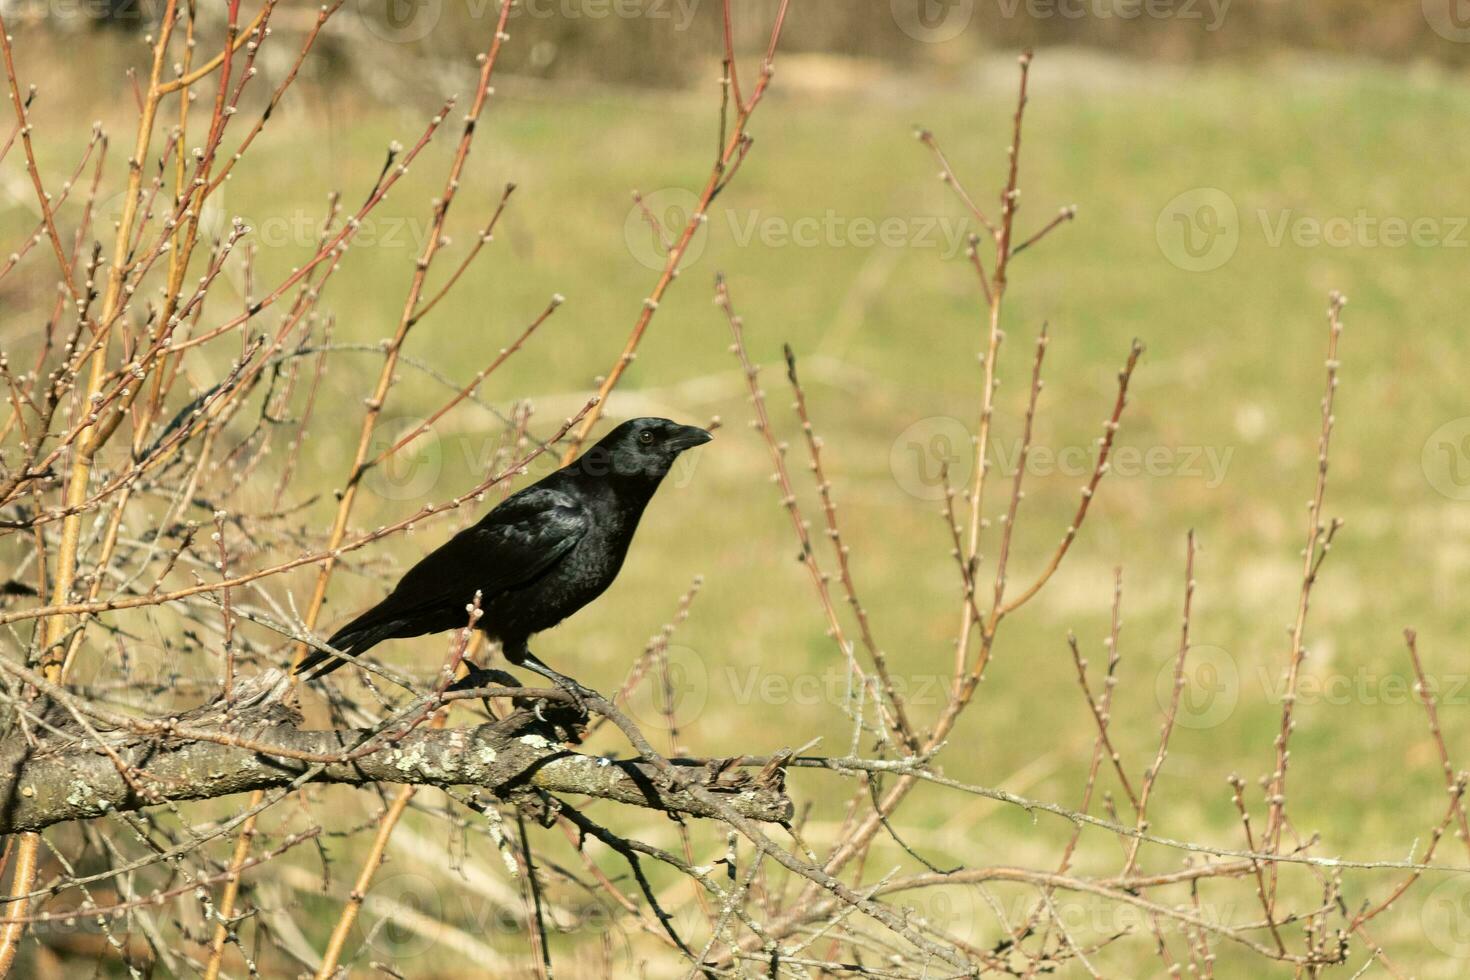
(579,694)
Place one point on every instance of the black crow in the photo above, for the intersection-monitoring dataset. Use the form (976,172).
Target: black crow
(536,558)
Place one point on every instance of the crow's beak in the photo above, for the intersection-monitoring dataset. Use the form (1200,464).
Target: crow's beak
(687,437)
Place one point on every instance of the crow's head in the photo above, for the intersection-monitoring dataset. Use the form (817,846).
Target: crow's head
(642,449)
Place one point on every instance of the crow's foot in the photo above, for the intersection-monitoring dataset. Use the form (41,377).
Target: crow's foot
(579,694)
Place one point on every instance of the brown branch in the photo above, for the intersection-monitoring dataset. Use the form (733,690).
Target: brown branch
(1315,551)
(1171,713)
(1424,691)
(834,532)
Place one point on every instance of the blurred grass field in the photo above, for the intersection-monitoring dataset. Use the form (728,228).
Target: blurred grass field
(1227,398)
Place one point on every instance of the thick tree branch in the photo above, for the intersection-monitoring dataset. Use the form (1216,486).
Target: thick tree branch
(65,779)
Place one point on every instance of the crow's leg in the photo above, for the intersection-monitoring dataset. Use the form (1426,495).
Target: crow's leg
(577,692)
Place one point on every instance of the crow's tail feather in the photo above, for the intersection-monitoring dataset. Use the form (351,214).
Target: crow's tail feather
(356,638)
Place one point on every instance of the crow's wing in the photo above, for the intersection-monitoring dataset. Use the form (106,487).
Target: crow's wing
(512,546)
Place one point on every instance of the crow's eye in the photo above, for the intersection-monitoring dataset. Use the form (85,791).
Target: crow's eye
(645,437)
